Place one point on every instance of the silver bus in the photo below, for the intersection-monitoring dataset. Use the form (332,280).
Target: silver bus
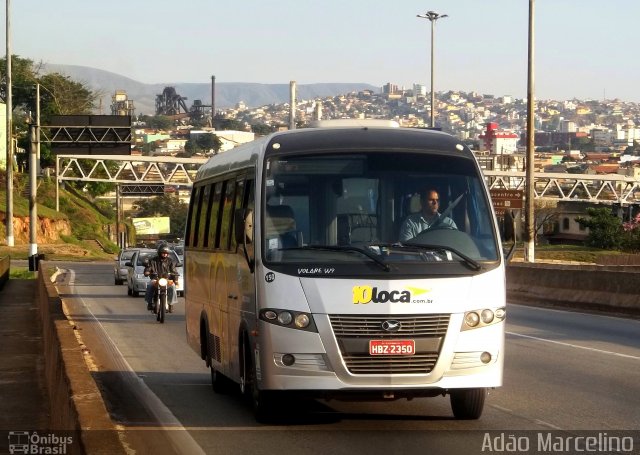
(297,280)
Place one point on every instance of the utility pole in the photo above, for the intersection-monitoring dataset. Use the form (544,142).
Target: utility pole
(529,215)
(33,208)
(292,113)
(38,170)
(9,163)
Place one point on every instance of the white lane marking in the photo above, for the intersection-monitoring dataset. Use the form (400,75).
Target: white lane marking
(536,421)
(182,442)
(601,351)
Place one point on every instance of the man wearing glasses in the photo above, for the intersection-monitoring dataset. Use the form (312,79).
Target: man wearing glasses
(427,218)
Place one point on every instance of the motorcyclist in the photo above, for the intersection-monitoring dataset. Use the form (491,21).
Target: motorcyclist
(158,266)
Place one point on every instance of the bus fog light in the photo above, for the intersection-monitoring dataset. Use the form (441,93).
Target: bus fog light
(485,357)
(500,313)
(302,320)
(285,318)
(288,359)
(486,316)
(472,319)
(270,315)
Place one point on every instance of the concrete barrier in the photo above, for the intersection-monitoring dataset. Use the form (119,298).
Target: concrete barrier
(612,289)
(75,400)
(5,268)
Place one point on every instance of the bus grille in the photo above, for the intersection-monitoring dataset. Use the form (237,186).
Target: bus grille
(353,332)
(397,364)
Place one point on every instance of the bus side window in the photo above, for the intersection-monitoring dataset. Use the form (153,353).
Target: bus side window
(196,199)
(227,214)
(214,229)
(205,208)
(190,215)
(237,204)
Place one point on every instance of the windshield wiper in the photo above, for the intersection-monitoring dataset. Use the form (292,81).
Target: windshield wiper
(475,265)
(368,254)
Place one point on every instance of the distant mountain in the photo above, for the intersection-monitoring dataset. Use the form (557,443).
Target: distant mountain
(228,94)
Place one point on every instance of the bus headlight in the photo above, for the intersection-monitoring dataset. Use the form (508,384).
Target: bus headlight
(471,319)
(482,318)
(285,318)
(291,319)
(486,316)
(302,320)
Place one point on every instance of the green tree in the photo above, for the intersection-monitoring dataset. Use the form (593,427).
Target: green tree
(166,205)
(262,129)
(59,94)
(203,143)
(157,122)
(228,124)
(209,142)
(605,229)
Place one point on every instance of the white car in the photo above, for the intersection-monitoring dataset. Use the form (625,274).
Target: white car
(119,267)
(136,281)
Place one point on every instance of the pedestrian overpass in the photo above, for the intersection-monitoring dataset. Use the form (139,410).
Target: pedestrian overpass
(150,174)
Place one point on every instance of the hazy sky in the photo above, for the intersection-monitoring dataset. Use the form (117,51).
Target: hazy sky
(583,48)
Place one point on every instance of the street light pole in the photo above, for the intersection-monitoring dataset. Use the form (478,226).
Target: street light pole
(9,162)
(529,217)
(433,17)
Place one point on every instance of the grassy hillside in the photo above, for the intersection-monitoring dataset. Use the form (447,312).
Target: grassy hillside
(88,225)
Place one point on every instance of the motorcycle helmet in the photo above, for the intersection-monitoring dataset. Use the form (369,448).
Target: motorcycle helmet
(163,249)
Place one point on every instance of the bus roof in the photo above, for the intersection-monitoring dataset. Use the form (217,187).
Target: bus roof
(333,138)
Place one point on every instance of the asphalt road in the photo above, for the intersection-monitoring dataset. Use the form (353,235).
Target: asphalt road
(565,373)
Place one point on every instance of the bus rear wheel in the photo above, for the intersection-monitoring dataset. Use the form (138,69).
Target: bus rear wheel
(219,382)
(467,404)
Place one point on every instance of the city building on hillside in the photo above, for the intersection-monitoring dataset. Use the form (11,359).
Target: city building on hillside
(169,147)
(498,150)
(231,138)
(498,142)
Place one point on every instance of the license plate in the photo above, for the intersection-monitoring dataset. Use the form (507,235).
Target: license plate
(392,347)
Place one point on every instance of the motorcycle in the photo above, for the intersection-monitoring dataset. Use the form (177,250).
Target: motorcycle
(160,305)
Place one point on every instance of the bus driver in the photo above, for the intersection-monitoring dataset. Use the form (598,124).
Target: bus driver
(415,223)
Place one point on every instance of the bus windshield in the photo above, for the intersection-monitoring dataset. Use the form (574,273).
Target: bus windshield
(376,207)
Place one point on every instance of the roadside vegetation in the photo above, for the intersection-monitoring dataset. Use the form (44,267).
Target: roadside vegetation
(89,239)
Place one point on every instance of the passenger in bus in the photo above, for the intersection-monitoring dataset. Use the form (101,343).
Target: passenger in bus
(426,218)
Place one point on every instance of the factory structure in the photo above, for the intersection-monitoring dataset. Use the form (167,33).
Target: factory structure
(169,103)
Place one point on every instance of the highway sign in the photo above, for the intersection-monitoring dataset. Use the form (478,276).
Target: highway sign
(504,199)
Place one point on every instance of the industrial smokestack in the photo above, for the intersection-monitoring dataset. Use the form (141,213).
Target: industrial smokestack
(292,114)
(213,98)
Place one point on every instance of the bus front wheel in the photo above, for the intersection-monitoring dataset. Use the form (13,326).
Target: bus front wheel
(261,401)
(467,404)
